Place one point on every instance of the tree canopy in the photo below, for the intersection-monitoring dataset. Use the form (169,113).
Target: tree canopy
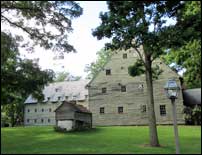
(47,23)
(186,38)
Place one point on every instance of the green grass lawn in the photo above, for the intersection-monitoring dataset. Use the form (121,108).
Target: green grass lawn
(125,139)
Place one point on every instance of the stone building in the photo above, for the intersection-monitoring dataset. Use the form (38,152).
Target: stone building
(42,113)
(116,98)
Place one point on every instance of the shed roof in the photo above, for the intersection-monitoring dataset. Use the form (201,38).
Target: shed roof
(74,90)
(78,108)
(192,96)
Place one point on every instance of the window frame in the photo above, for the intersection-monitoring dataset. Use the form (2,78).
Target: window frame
(162,109)
(104,90)
(125,56)
(123,88)
(120,111)
(102,110)
(108,72)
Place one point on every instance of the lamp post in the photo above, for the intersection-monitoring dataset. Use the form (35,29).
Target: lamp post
(171,89)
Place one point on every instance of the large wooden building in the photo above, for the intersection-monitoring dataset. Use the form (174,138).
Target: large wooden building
(116,98)
(113,96)
(42,113)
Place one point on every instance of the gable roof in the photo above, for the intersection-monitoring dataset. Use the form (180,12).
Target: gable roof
(78,108)
(75,90)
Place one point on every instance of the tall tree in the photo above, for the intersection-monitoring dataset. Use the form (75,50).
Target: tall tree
(131,24)
(186,54)
(47,23)
(20,77)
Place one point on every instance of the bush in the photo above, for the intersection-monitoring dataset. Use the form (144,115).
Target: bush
(193,115)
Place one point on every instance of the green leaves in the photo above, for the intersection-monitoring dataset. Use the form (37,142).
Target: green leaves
(136,69)
(55,15)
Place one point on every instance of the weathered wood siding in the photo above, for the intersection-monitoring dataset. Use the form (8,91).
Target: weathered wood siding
(133,98)
(85,117)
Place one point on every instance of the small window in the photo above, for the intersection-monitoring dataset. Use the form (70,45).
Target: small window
(108,71)
(35,110)
(49,109)
(102,110)
(123,88)
(122,67)
(28,110)
(42,120)
(35,120)
(120,110)
(104,90)
(66,98)
(48,120)
(42,110)
(48,98)
(143,108)
(162,110)
(59,98)
(27,120)
(56,89)
(124,56)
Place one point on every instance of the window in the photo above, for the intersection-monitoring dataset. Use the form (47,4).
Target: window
(42,120)
(108,71)
(104,90)
(27,120)
(86,96)
(35,120)
(49,109)
(123,88)
(122,67)
(48,120)
(48,98)
(35,110)
(66,98)
(124,56)
(162,110)
(59,98)
(102,110)
(143,108)
(28,110)
(120,110)
(56,89)
(42,110)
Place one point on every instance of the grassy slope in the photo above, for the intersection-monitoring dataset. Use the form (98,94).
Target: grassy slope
(100,140)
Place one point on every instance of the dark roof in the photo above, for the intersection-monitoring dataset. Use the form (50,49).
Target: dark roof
(78,108)
(192,96)
(75,90)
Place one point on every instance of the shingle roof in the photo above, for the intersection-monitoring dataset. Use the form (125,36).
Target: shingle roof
(75,90)
(78,108)
(192,96)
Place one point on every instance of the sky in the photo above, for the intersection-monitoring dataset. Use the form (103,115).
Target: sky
(85,44)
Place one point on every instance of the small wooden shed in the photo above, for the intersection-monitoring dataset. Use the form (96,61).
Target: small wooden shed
(71,116)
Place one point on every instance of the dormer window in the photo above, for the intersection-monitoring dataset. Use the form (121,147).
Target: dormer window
(124,56)
(108,71)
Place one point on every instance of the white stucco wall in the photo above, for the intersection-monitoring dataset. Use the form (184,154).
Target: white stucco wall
(67,124)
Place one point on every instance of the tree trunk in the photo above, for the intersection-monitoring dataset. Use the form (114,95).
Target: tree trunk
(150,102)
